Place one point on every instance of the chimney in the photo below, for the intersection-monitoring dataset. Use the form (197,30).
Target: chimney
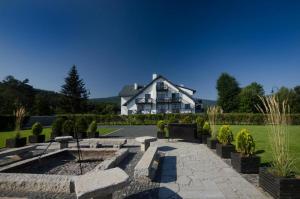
(135,86)
(154,76)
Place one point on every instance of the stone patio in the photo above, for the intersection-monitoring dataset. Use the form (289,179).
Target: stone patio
(191,170)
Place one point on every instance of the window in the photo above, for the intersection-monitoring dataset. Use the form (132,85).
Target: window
(187,106)
(147,96)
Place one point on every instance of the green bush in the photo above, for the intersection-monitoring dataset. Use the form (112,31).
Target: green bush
(200,123)
(57,127)
(225,135)
(161,125)
(245,143)
(37,128)
(81,125)
(206,128)
(92,127)
(68,128)
(186,120)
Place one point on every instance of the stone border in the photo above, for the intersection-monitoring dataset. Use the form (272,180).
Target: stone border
(148,164)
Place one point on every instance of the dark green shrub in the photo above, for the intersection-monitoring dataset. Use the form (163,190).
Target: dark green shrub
(81,125)
(68,128)
(161,124)
(186,120)
(225,135)
(37,128)
(93,127)
(245,143)
(57,127)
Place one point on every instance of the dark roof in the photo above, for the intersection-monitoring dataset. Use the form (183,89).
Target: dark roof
(159,76)
(194,91)
(128,90)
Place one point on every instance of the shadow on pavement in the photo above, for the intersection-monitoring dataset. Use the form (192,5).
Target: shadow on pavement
(167,170)
(166,148)
(161,192)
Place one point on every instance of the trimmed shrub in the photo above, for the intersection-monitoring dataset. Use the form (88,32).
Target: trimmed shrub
(200,122)
(225,135)
(57,127)
(68,128)
(92,127)
(206,128)
(37,128)
(161,125)
(186,120)
(245,143)
(81,125)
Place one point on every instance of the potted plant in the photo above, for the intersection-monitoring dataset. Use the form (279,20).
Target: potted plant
(37,129)
(245,160)
(213,113)
(161,124)
(200,122)
(279,180)
(57,127)
(225,138)
(68,128)
(206,131)
(17,141)
(92,130)
(81,127)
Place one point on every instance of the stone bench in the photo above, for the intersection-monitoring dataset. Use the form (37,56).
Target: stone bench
(98,184)
(105,142)
(145,141)
(148,164)
(64,141)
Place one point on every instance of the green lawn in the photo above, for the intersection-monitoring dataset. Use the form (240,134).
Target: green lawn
(260,135)
(46,131)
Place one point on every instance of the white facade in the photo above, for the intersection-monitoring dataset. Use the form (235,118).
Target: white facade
(160,96)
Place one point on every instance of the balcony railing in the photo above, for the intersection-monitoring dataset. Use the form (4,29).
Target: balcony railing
(161,87)
(168,100)
(144,101)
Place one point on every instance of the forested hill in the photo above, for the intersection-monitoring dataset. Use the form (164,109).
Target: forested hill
(113,99)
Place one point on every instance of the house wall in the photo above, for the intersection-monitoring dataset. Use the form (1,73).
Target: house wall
(124,110)
(132,106)
(187,91)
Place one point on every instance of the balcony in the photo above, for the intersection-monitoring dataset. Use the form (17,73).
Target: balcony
(169,100)
(161,87)
(176,100)
(144,101)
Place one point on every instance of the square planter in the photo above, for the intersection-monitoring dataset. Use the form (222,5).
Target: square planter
(279,187)
(224,151)
(212,143)
(160,135)
(37,139)
(93,134)
(204,138)
(243,164)
(16,142)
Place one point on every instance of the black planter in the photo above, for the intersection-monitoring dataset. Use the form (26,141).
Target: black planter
(204,138)
(212,143)
(93,134)
(183,131)
(16,142)
(160,135)
(224,151)
(279,187)
(243,164)
(37,139)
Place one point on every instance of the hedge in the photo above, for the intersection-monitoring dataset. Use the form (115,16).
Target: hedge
(7,122)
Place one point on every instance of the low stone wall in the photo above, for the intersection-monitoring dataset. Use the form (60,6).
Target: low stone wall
(148,164)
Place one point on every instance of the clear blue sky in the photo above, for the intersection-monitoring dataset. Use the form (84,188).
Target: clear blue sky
(121,42)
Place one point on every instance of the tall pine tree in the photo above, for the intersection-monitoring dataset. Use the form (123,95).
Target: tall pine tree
(75,93)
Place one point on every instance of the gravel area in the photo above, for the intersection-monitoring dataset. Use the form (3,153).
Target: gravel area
(145,189)
(63,165)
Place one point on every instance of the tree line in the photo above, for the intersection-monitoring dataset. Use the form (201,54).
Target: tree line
(73,98)
(233,98)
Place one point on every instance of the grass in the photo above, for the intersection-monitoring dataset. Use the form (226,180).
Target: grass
(46,131)
(262,144)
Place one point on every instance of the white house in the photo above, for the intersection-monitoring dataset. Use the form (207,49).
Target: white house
(159,96)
